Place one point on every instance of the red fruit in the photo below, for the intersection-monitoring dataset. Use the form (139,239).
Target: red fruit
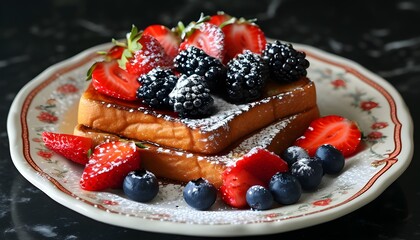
(108,78)
(338,131)
(243,35)
(167,38)
(207,37)
(151,55)
(219,18)
(255,168)
(108,165)
(72,147)
(114,53)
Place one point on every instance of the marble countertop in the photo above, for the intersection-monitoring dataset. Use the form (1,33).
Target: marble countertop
(382,36)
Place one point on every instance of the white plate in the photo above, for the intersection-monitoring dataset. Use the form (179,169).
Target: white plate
(49,103)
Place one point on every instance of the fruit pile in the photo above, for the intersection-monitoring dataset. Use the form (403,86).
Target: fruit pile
(181,68)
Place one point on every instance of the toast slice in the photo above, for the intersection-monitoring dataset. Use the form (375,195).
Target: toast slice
(182,165)
(209,135)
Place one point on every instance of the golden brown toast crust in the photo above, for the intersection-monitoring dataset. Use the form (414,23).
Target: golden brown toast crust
(207,136)
(181,165)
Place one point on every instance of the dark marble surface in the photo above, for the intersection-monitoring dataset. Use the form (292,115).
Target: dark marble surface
(381,35)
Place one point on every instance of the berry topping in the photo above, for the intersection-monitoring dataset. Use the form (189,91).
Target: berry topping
(191,98)
(246,76)
(142,53)
(219,18)
(168,39)
(259,198)
(308,171)
(140,186)
(285,63)
(200,194)
(206,36)
(332,159)
(114,53)
(72,147)
(254,168)
(285,188)
(155,87)
(338,131)
(294,153)
(241,35)
(109,164)
(109,79)
(195,61)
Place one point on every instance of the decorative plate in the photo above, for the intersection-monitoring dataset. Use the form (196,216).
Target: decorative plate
(49,103)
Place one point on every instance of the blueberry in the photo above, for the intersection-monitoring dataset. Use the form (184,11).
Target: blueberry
(331,158)
(141,186)
(259,198)
(308,171)
(285,188)
(294,153)
(200,194)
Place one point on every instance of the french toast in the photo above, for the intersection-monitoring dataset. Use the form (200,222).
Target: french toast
(182,165)
(209,135)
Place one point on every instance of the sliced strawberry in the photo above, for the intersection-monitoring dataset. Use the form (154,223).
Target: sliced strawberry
(207,37)
(255,168)
(108,165)
(114,53)
(219,18)
(72,147)
(338,131)
(149,56)
(169,39)
(243,35)
(108,78)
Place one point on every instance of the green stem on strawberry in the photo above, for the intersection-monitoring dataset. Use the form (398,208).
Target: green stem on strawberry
(132,45)
(189,29)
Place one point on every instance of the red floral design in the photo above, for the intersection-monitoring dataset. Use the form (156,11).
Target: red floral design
(322,202)
(339,83)
(368,105)
(375,135)
(45,154)
(47,117)
(38,140)
(67,89)
(379,125)
(109,202)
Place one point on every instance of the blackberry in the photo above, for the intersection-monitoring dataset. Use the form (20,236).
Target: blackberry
(191,97)
(155,87)
(195,61)
(247,74)
(285,63)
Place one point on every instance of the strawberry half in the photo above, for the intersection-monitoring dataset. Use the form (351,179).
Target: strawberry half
(219,18)
(72,147)
(255,168)
(206,36)
(114,53)
(243,35)
(108,78)
(108,165)
(338,131)
(167,38)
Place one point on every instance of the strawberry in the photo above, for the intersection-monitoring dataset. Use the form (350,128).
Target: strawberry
(108,165)
(168,39)
(219,18)
(142,53)
(206,36)
(243,35)
(338,131)
(108,78)
(255,168)
(114,53)
(72,147)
